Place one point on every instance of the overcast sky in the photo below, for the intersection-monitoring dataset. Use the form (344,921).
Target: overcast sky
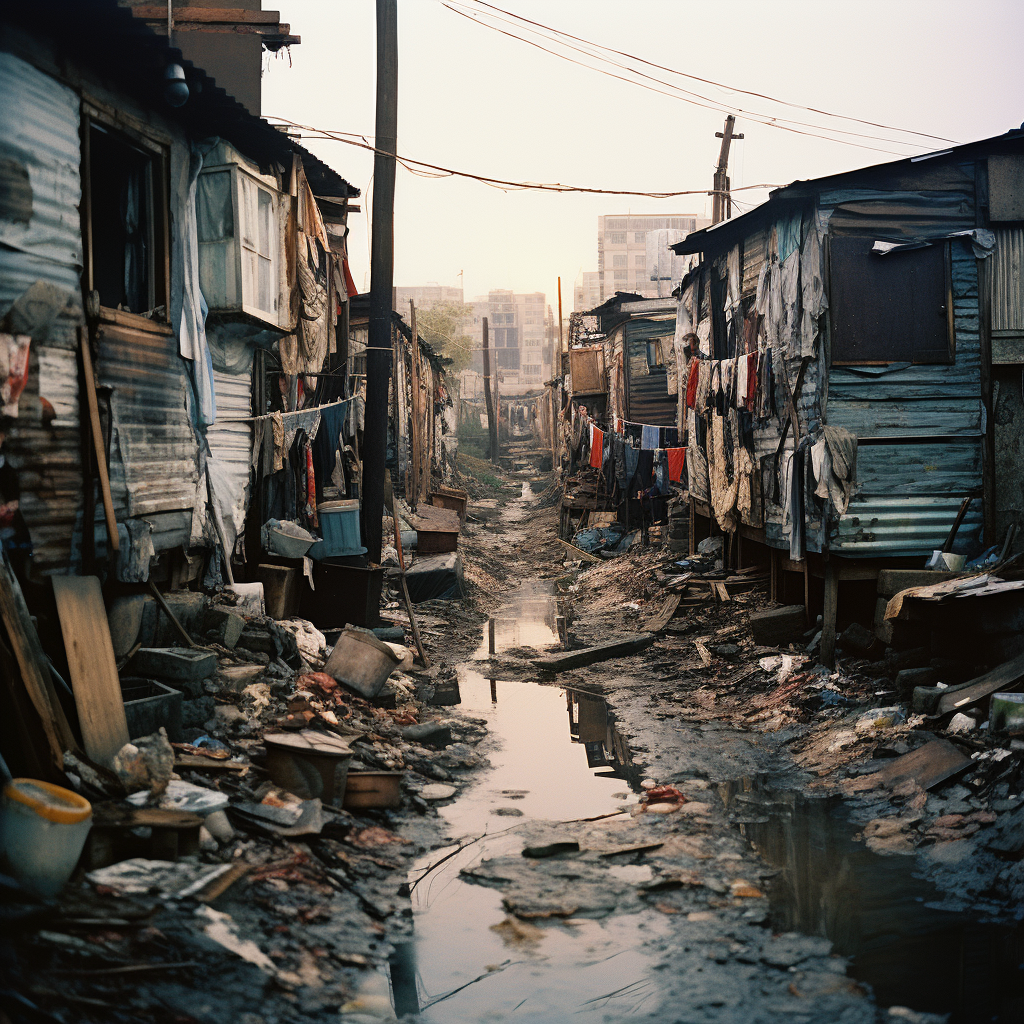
(477,101)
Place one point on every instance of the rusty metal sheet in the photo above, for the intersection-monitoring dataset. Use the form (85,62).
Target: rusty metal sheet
(153,451)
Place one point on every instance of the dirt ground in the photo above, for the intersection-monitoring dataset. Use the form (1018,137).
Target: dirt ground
(681,835)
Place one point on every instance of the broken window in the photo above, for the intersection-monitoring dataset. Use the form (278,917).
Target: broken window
(890,309)
(125,203)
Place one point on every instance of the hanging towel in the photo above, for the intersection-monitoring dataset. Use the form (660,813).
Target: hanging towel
(751,394)
(632,459)
(691,383)
(741,381)
(650,437)
(644,469)
(676,461)
(596,446)
(619,453)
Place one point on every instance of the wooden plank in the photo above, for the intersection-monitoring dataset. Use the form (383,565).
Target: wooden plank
(827,655)
(35,674)
(705,654)
(660,619)
(579,552)
(1008,674)
(83,621)
(589,655)
(930,764)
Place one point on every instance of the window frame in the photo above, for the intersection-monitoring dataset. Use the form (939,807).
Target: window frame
(909,355)
(157,145)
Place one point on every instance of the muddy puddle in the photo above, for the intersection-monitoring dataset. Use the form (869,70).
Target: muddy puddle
(556,756)
(913,950)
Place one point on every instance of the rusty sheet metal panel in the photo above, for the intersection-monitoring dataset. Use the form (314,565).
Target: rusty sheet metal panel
(586,365)
(1005,268)
(899,214)
(926,426)
(153,452)
(46,453)
(40,183)
(754,249)
(231,440)
(647,397)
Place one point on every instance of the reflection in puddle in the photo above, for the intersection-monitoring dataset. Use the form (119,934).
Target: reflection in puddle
(457,968)
(877,912)
(530,619)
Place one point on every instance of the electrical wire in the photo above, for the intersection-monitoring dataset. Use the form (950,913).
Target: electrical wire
(719,85)
(501,183)
(687,96)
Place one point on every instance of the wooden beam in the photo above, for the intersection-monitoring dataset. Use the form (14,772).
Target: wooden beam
(828,619)
(232,15)
(588,655)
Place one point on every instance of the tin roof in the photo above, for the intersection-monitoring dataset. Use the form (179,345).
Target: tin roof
(127,52)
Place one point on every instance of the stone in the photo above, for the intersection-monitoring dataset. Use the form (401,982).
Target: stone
(775,627)
(892,581)
(157,630)
(438,791)
(913,657)
(429,734)
(925,699)
(858,640)
(219,827)
(236,678)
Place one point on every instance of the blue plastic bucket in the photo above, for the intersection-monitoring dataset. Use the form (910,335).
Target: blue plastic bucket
(339,524)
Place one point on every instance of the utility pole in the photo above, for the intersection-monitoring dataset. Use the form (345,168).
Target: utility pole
(417,435)
(382,266)
(492,423)
(559,325)
(721,203)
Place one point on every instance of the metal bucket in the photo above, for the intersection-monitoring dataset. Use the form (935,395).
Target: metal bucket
(361,662)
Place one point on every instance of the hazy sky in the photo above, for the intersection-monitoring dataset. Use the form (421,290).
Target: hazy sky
(477,101)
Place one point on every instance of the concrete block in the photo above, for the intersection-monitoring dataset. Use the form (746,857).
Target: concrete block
(908,679)
(883,628)
(892,581)
(173,664)
(156,629)
(860,641)
(774,627)
(223,626)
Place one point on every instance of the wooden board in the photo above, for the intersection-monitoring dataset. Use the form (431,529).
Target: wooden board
(83,621)
(956,697)
(32,665)
(579,552)
(661,618)
(932,763)
(589,655)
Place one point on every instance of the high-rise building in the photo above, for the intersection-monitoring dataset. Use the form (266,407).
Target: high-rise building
(633,253)
(517,335)
(425,296)
(587,290)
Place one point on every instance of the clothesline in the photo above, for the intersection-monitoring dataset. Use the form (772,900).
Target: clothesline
(285,415)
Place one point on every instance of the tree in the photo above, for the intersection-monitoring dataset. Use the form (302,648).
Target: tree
(443,328)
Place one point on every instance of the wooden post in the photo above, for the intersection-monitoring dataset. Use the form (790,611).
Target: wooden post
(417,434)
(97,443)
(721,204)
(827,656)
(492,423)
(382,266)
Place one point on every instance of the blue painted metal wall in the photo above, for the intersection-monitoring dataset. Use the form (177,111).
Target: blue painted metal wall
(920,431)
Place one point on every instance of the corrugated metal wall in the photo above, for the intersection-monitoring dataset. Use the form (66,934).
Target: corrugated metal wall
(153,448)
(40,242)
(1005,266)
(920,450)
(647,397)
(40,229)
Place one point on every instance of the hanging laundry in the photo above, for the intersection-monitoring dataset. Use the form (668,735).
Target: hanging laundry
(650,437)
(691,383)
(813,300)
(751,393)
(676,462)
(596,447)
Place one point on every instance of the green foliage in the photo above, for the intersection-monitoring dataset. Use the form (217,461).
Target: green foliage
(442,326)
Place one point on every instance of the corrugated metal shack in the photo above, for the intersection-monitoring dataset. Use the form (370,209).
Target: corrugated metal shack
(157,245)
(623,363)
(841,407)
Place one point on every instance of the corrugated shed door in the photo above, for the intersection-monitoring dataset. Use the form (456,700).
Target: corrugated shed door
(230,440)
(153,453)
(1006,266)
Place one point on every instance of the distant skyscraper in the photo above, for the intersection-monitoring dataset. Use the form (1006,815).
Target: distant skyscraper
(516,329)
(425,296)
(633,255)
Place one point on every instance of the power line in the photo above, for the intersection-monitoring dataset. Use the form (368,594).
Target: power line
(423,168)
(715,105)
(719,85)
